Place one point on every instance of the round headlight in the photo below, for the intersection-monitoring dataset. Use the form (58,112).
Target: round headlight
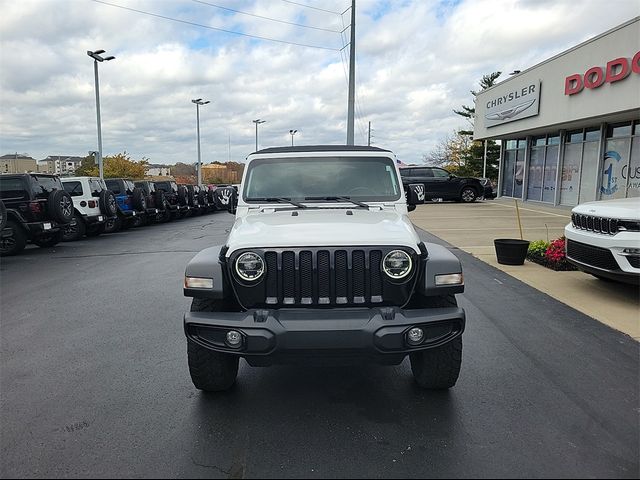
(249,266)
(397,264)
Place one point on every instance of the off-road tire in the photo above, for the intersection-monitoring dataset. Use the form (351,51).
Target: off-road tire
(210,371)
(76,232)
(15,243)
(438,368)
(108,203)
(112,225)
(182,195)
(60,206)
(139,200)
(468,195)
(48,240)
(160,200)
(3,215)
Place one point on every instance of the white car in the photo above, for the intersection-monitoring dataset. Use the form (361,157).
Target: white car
(603,239)
(93,205)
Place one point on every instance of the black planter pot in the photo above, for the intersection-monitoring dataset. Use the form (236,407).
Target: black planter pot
(511,251)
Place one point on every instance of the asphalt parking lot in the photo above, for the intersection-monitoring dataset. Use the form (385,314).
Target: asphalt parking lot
(94,382)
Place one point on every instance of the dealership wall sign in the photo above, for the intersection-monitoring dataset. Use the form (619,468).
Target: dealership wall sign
(521,102)
(615,70)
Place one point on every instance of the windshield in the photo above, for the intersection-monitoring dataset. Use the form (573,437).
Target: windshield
(363,178)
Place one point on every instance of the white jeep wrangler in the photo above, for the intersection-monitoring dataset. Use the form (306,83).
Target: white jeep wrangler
(323,264)
(93,205)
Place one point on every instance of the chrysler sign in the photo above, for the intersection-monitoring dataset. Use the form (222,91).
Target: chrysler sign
(519,103)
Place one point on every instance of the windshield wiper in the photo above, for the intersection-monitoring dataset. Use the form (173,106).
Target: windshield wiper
(344,199)
(276,199)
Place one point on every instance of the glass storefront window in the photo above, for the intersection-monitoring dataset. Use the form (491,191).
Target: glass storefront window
(616,162)
(589,171)
(508,171)
(573,137)
(554,140)
(623,130)
(592,135)
(534,177)
(539,141)
(633,174)
(570,179)
(550,172)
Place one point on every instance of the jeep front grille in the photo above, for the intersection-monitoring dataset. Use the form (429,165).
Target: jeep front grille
(604,225)
(322,277)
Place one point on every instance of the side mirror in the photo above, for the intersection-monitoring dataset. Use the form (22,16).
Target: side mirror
(415,195)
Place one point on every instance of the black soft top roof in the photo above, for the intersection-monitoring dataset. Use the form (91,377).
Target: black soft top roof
(322,148)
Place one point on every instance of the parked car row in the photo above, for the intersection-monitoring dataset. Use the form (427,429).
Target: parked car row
(47,209)
(440,184)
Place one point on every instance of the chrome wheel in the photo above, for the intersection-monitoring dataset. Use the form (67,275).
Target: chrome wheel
(67,206)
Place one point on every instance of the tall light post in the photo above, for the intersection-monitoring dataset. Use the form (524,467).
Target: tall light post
(257,122)
(97,58)
(198,102)
(292,133)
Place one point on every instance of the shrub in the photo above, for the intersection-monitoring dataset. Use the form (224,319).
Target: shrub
(538,248)
(555,251)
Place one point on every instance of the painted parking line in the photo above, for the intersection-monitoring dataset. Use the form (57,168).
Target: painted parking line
(568,215)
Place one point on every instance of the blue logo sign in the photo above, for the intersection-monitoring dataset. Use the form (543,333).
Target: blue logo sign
(612,182)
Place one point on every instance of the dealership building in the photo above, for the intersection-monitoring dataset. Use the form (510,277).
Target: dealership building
(570,126)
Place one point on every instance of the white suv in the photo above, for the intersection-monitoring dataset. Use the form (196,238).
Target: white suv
(603,239)
(93,205)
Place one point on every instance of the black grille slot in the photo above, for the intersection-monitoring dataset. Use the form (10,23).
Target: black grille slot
(358,275)
(271,259)
(324,275)
(590,255)
(341,276)
(375,264)
(289,277)
(306,277)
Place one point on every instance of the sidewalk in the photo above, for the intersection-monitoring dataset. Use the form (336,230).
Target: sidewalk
(473,227)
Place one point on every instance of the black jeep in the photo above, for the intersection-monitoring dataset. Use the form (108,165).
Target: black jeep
(176,197)
(439,184)
(37,206)
(156,201)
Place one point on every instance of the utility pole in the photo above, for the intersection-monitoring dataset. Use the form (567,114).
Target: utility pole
(257,122)
(98,58)
(369,139)
(199,102)
(484,164)
(352,77)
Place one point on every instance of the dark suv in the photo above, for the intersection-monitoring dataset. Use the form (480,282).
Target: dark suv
(440,184)
(132,204)
(37,207)
(176,197)
(156,201)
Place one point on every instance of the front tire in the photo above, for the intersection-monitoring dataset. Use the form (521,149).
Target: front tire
(14,244)
(210,371)
(468,195)
(48,240)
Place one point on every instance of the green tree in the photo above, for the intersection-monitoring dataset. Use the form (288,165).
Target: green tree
(88,167)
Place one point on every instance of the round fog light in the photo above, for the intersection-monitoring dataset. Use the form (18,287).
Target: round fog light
(234,338)
(415,336)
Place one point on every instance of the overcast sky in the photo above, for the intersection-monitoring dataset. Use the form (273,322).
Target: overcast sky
(416,62)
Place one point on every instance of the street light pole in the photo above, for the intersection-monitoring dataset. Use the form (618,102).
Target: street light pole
(198,102)
(292,133)
(257,122)
(97,58)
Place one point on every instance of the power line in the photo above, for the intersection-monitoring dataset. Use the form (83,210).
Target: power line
(265,18)
(309,6)
(214,28)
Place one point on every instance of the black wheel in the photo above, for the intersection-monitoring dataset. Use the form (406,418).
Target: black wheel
(210,371)
(468,195)
(108,203)
(3,215)
(48,240)
(74,230)
(438,368)
(112,225)
(182,195)
(139,200)
(15,243)
(160,200)
(60,206)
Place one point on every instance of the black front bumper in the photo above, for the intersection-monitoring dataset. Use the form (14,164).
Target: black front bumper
(278,336)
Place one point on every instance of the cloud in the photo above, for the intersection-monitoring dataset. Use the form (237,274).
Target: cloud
(416,62)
